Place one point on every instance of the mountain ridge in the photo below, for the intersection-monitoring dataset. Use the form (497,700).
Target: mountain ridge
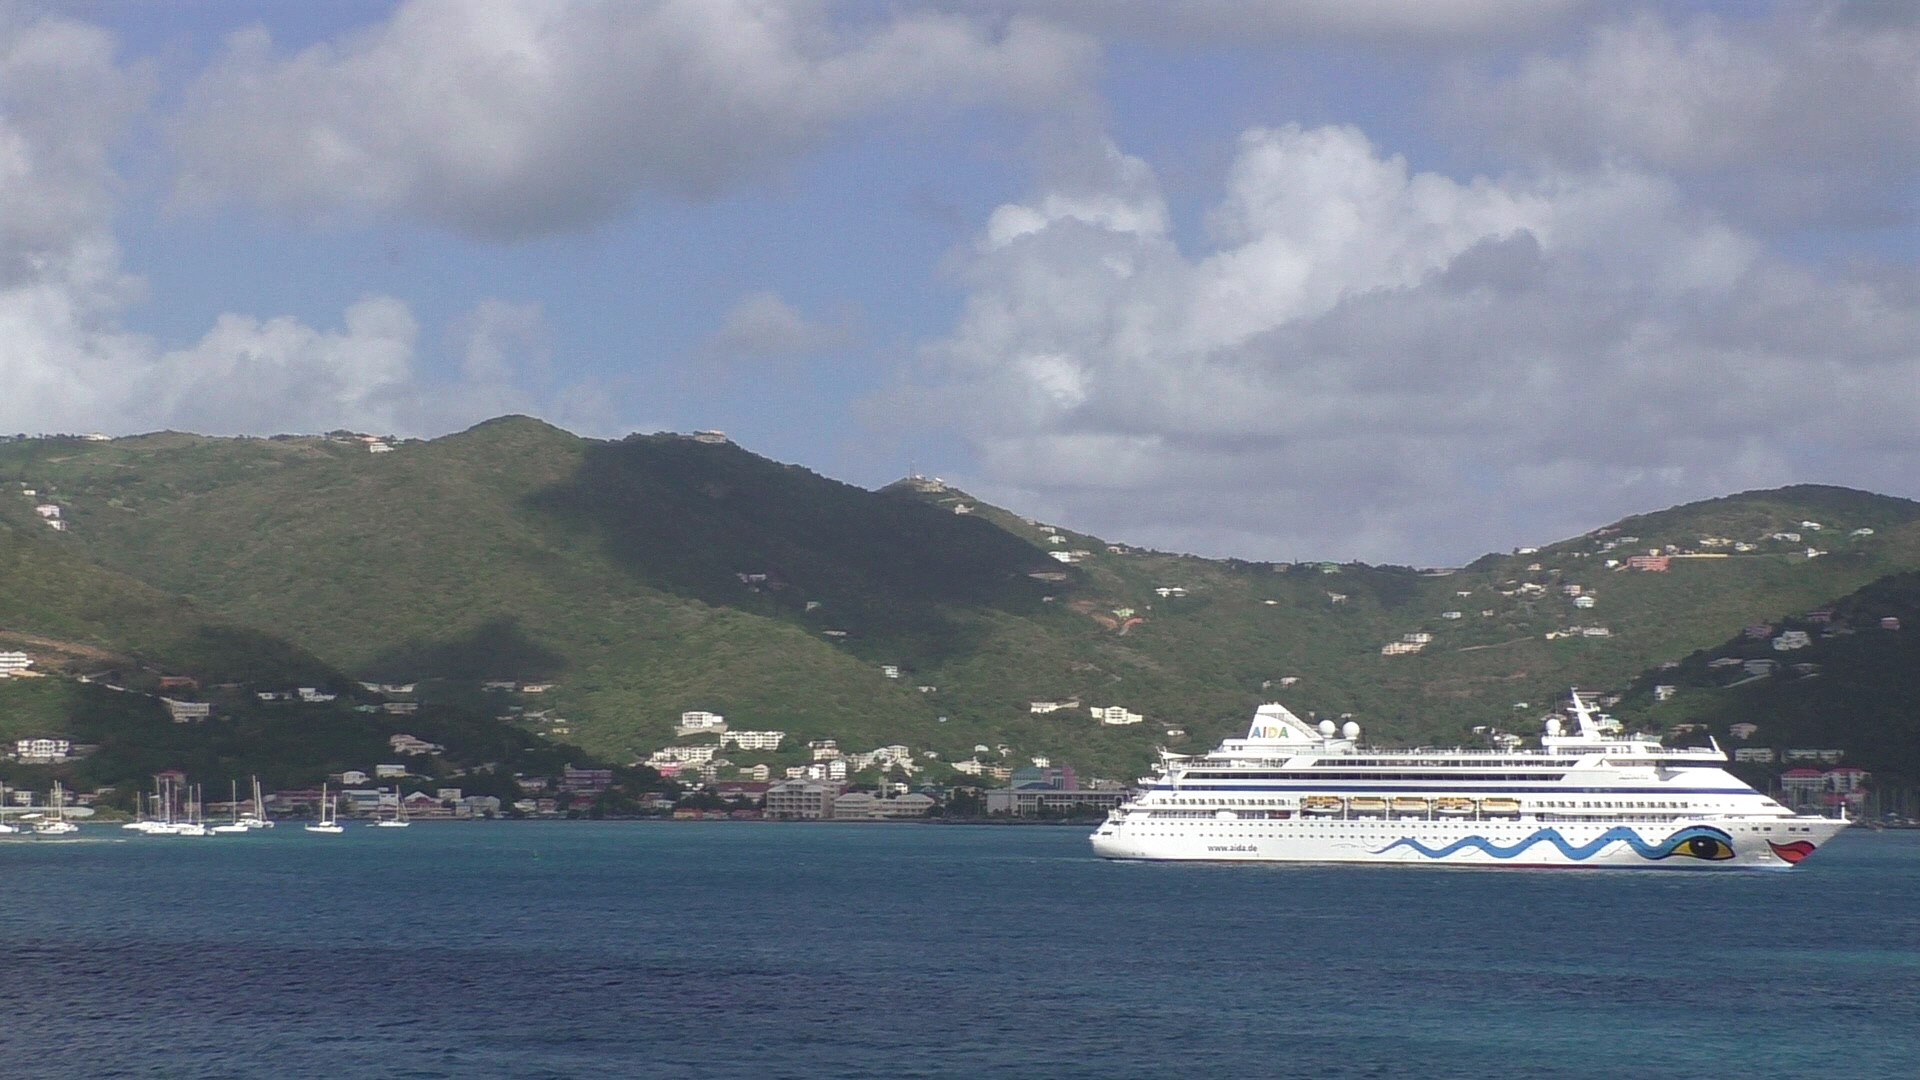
(659,573)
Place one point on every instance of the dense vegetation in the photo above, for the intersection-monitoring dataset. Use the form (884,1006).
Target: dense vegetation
(657,574)
(1855,686)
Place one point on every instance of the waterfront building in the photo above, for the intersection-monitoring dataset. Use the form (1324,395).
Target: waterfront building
(1035,801)
(809,800)
(866,806)
(585,781)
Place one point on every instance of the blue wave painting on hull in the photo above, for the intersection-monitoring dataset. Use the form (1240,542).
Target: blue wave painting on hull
(1693,842)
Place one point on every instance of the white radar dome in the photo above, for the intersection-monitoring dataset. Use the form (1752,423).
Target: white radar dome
(1553,725)
(1350,729)
(1326,728)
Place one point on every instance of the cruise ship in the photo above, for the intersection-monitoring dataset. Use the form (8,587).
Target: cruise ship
(1297,792)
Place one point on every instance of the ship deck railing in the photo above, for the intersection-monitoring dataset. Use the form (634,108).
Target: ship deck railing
(1437,754)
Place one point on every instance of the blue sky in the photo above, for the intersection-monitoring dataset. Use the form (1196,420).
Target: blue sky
(1401,281)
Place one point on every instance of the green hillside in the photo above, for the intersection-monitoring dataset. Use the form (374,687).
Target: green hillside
(103,642)
(657,574)
(1853,686)
(517,551)
(80,617)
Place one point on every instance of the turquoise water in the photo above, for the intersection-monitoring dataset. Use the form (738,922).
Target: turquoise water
(762,950)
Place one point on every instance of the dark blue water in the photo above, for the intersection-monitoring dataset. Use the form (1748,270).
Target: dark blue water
(748,950)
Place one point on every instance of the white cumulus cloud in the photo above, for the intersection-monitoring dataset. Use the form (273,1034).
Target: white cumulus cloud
(1240,21)
(522,117)
(1794,111)
(762,327)
(67,363)
(284,375)
(1372,360)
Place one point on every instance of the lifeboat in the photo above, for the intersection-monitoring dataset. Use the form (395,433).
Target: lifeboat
(1367,804)
(1408,804)
(1321,804)
(1500,806)
(1453,805)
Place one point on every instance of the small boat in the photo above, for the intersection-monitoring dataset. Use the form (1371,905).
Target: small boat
(1367,804)
(195,823)
(1321,804)
(1453,804)
(58,825)
(166,797)
(233,801)
(326,824)
(399,818)
(1500,806)
(160,822)
(141,822)
(257,818)
(1408,804)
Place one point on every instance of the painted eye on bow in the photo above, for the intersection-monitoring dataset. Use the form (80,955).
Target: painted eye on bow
(1703,845)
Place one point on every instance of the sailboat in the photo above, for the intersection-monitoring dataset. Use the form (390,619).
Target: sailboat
(163,821)
(326,824)
(59,826)
(141,822)
(399,818)
(4,827)
(233,797)
(160,821)
(195,824)
(257,819)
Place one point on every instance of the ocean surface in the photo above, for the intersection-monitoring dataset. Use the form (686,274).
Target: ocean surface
(734,949)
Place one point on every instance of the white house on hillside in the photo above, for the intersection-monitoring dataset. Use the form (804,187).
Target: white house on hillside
(42,751)
(695,721)
(754,740)
(184,712)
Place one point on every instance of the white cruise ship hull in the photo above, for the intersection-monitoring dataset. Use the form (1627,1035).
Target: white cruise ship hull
(1692,844)
(1295,792)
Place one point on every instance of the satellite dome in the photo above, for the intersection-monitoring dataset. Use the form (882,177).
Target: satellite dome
(1326,728)
(1553,725)
(1351,730)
